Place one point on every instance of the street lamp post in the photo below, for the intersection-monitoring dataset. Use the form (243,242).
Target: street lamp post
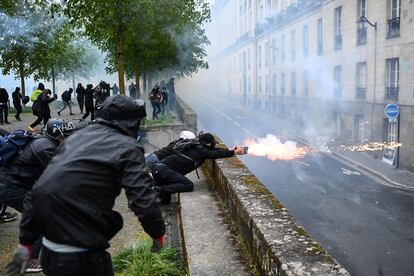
(363,19)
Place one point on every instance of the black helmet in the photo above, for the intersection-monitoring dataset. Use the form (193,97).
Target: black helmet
(41,86)
(207,140)
(59,127)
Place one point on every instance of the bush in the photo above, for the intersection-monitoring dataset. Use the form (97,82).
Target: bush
(138,260)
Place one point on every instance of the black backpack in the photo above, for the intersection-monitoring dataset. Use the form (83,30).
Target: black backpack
(185,144)
(12,144)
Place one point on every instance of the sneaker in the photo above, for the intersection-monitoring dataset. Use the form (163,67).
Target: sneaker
(7,123)
(31,129)
(7,217)
(34,266)
(71,113)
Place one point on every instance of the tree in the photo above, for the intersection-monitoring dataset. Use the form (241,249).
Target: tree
(117,25)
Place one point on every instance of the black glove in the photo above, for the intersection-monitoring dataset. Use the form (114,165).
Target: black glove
(20,260)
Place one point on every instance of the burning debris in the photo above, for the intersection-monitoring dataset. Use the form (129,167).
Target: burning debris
(273,148)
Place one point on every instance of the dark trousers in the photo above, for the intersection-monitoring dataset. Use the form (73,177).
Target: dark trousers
(97,262)
(80,102)
(156,109)
(170,181)
(4,109)
(19,110)
(39,120)
(14,196)
(89,110)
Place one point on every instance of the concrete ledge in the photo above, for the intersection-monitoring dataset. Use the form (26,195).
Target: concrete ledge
(272,238)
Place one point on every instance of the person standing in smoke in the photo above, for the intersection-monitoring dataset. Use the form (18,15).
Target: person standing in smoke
(17,102)
(171,90)
(115,90)
(80,96)
(155,97)
(89,102)
(133,91)
(164,101)
(66,99)
(4,106)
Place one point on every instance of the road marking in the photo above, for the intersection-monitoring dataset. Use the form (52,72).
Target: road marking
(349,172)
(236,123)
(246,130)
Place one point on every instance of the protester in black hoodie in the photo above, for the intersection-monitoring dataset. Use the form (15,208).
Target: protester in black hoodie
(89,107)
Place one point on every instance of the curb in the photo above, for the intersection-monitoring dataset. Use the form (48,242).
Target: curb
(372,171)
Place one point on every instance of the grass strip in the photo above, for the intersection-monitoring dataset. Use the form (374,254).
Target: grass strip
(139,261)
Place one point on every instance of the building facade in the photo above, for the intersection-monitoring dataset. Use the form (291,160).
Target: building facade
(329,65)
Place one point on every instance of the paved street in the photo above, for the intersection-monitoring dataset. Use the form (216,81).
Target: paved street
(364,224)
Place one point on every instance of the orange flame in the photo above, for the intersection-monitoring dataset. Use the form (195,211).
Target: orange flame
(272,148)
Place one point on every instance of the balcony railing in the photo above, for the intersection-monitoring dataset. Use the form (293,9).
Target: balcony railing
(361,92)
(338,42)
(394,27)
(392,93)
(362,35)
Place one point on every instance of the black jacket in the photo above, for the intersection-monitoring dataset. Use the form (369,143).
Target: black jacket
(73,199)
(27,167)
(4,96)
(80,92)
(198,155)
(166,151)
(89,97)
(41,106)
(17,98)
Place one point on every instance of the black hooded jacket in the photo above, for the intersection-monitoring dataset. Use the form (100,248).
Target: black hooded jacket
(73,199)
(194,157)
(27,167)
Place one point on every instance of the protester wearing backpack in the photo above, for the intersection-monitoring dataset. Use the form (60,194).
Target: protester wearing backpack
(40,106)
(4,106)
(160,154)
(23,167)
(4,215)
(169,174)
(66,98)
(155,98)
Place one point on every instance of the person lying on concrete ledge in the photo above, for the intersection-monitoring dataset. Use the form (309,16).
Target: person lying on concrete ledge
(169,174)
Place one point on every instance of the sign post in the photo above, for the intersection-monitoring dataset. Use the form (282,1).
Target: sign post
(392,111)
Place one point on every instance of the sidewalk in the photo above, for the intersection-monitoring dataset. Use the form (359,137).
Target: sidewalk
(398,178)
(210,246)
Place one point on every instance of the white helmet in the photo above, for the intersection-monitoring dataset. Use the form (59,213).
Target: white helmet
(186,134)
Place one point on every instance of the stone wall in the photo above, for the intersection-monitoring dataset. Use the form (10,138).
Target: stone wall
(186,114)
(272,237)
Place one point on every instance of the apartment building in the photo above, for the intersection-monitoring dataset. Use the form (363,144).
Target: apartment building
(330,65)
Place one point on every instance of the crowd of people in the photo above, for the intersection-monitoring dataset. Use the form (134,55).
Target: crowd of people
(65,180)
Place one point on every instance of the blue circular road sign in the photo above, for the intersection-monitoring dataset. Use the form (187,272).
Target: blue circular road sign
(392,111)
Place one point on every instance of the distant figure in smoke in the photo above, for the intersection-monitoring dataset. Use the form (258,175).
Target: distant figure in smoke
(17,102)
(164,100)
(41,99)
(155,98)
(171,89)
(66,99)
(89,102)
(4,106)
(115,89)
(102,91)
(133,91)
(80,96)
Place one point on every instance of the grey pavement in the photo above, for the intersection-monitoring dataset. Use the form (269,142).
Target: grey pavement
(398,178)
(209,243)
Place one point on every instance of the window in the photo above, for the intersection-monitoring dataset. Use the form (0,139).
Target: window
(273,51)
(248,59)
(337,81)
(320,37)
(259,56)
(240,62)
(250,85)
(260,84)
(283,49)
(293,45)
(293,83)
(359,128)
(338,28)
(274,85)
(305,41)
(282,84)
(394,18)
(361,80)
(267,84)
(305,81)
(267,54)
(362,27)
(392,68)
